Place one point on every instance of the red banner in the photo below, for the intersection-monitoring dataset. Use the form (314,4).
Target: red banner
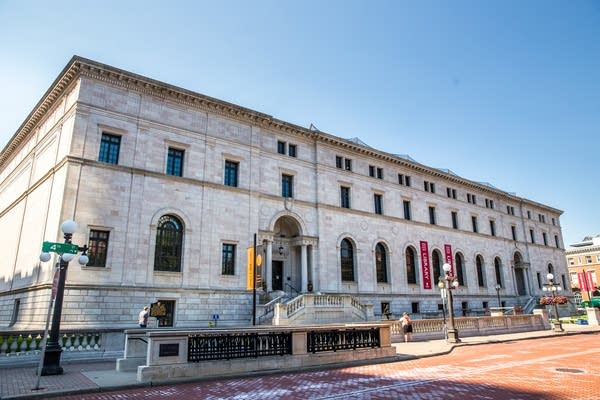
(449,258)
(586,281)
(425,265)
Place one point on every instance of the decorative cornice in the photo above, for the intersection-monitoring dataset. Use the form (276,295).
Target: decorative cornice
(82,67)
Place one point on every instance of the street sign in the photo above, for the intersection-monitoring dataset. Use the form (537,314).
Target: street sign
(60,247)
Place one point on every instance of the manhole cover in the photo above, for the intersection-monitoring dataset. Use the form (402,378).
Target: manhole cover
(570,370)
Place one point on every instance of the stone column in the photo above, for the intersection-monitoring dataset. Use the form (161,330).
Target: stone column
(593,315)
(312,268)
(304,265)
(268,266)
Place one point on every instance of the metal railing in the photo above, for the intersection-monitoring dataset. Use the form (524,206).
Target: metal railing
(202,347)
(334,340)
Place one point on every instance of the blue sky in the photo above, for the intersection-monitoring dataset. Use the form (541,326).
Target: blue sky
(505,92)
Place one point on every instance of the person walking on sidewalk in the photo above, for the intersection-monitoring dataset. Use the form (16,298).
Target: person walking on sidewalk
(143,317)
(407,328)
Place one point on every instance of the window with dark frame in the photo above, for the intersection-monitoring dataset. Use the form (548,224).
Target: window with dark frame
(228,259)
(97,248)
(345,197)
(498,270)
(411,266)
(432,215)
(556,241)
(339,162)
(379,173)
(407,180)
(110,146)
(474,223)
(347,260)
(287,186)
(492,228)
(231,173)
(414,306)
(406,206)
(532,236)
(513,230)
(372,171)
(480,275)
(292,150)
(169,243)
(378,203)
(381,263)
(280,147)
(167,319)
(175,162)
(545,238)
(454,219)
(348,164)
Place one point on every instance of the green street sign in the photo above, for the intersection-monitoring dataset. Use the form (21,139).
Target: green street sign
(60,247)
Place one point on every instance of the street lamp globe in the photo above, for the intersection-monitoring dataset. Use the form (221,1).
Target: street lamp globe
(69,227)
(447,267)
(455,284)
(441,284)
(67,257)
(550,276)
(83,259)
(498,287)
(45,257)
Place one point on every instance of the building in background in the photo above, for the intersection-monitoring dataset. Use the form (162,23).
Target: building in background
(169,186)
(583,261)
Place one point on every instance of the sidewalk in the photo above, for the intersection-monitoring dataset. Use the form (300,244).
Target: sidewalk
(101,376)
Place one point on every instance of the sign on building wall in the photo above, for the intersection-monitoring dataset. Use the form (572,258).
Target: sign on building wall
(425,265)
(448,257)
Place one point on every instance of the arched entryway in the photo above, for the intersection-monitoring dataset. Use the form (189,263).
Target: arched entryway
(520,275)
(289,258)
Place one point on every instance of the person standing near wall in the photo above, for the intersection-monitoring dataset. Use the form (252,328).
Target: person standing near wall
(143,317)
(407,328)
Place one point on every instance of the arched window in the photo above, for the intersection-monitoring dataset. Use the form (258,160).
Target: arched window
(436,265)
(459,267)
(498,270)
(381,263)
(411,266)
(550,269)
(480,276)
(169,242)
(347,260)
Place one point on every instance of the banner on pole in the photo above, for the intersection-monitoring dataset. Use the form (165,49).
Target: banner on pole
(425,265)
(449,258)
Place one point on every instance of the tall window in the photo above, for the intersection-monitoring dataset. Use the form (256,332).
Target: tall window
(231,173)
(381,263)
(345,197)
(492,228)
(169,243)
(378,203)
(372,171)
(228,259)
(339,162)
(175,162)
(348,164)
(280,147)
(436,264)
(109,148)
(545,238)
(556,241)
(532,236)
(406,205)
(513,230)
(480,275)
(347,260)
(474,223)
(498,271)
(459,269)
(432,215)
(287,185)
(454,219)
(411,266)
(292,150)
(97,248)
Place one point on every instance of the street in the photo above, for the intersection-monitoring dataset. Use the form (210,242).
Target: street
(551,368)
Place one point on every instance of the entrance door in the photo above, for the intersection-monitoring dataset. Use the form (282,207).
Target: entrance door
(520,277)
(277,274)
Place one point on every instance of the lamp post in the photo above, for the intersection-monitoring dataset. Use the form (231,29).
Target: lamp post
(498,287)
(450,283)
(67,252)
(443,294)
(553,288)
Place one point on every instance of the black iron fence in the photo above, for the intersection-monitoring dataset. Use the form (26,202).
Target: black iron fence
(334,340)
(202,347)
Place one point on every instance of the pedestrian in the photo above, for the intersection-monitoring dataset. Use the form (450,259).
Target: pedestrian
(407,328)
(386,311)
(143,317)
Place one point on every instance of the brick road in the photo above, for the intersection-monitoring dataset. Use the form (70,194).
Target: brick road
(552,368)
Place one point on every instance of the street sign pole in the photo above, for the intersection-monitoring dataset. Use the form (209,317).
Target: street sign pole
(254,283)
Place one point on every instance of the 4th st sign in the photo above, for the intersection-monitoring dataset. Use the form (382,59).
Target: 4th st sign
(60,248)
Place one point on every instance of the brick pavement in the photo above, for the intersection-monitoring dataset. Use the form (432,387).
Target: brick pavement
(81,377)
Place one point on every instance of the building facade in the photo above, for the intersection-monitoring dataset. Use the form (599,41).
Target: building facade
(583,261)
(169,186)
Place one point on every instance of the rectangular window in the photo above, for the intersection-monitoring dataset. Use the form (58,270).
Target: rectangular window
(528,214)
(400,179)
(339,162)
(345,197)
(489,203)
(348,164)
(492,228)
(228,259)
(414,307)
(451,193)
(407,180)
(553,221)
(539,280)
(454,219)
(97,248)
(571,261)
(406,205)
(545,238)
(474,223)
(426,186)
(287,186)
(175,162)
(471,198)
(109,148)
(280,147)
(231,173)
(378,203)
(558,244)
(429,186)
(532,236)
(372,171)
(588,259)
(379,173)
(292,150)
(513,229)
(432,215)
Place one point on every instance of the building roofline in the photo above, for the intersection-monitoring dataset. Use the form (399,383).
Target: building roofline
(80,66)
